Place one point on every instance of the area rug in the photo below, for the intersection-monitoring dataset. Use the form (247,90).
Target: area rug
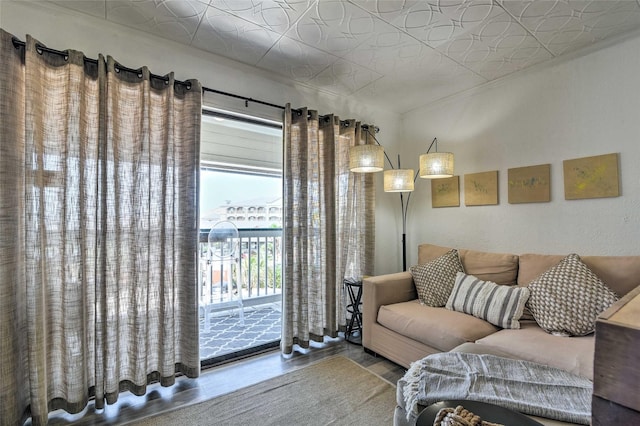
(336,391)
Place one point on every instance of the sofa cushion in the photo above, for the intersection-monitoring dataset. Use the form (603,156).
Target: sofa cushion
(499,304)
(428,252)
(532,343)
(567,298)
(434,280)
(439,328)
(474,348)
(501,268)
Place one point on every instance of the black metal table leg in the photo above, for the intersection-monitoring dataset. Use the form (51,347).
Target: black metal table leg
(353,333)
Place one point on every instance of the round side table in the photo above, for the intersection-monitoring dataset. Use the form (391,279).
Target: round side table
(353,333)
(487,411)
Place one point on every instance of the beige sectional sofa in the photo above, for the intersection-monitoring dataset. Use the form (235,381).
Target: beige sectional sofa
(397,327)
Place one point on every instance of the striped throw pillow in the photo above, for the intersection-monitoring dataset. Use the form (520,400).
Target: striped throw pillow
(500,305)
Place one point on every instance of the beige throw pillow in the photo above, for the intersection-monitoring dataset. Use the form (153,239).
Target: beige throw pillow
(567,299)
(434,280)
(500,305)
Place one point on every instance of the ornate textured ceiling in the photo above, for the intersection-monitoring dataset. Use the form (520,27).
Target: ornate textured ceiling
(402,53)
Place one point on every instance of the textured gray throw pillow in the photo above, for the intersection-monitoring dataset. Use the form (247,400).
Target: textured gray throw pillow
(567,299)
(434,280)
(500,305)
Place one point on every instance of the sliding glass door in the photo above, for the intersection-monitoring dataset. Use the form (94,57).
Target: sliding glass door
(241,199)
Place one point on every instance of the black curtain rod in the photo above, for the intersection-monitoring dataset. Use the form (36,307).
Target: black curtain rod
(18,43)
(247,100)
(244,98)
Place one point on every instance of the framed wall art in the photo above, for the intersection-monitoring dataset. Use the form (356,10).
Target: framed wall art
(530,184)
(445,192)
(481,189)
(591,177)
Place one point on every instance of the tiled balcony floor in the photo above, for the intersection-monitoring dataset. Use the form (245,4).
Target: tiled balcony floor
(226,334)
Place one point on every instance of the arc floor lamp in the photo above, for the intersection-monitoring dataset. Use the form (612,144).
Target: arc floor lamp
(369,158)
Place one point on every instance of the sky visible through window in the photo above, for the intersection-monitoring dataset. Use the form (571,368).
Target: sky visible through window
(240,178)
(221,188)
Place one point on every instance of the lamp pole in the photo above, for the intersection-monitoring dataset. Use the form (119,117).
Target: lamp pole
(404,229)
(405,208)
(404,205)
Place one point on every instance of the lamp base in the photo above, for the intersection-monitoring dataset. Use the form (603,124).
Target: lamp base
(404,252)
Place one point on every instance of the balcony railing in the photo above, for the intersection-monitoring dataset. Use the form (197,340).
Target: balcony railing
(252,277)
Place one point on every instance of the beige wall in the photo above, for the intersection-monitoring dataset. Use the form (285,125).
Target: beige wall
(583,106)
(60,28)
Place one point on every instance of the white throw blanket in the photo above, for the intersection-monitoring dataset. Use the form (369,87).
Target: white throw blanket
(522,386)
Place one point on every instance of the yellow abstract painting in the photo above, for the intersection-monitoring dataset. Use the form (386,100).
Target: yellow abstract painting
(591,177)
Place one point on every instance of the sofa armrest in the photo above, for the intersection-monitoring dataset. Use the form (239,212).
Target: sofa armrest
(383,290)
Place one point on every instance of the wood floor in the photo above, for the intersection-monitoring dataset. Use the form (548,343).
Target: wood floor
(220,380)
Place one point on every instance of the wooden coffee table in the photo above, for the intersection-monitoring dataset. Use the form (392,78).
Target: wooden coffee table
(488,412)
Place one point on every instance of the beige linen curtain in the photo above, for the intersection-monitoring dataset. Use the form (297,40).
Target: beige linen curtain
(98,219)
(328,228)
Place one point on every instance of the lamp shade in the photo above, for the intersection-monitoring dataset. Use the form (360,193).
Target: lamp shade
(398,180)
(366,158)
(436,165)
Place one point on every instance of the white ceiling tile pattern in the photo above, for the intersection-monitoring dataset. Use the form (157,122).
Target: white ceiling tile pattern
(277,16)
(496,47)
(393,52)
(433,22)
(241,40)
(174,19)
(335,26)
(344,77)
(399,53)
(568,25)
(296,60)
